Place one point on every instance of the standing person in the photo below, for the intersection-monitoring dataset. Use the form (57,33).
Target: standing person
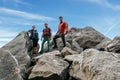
(34,36)
(62,31)
(46,35)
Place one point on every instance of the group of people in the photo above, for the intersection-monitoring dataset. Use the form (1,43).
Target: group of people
(47,35)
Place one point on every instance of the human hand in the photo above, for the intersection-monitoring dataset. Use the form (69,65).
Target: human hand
(41,39)
(65,33)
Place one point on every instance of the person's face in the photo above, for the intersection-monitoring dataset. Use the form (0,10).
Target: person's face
(61,19)
(33,27)
(46,25)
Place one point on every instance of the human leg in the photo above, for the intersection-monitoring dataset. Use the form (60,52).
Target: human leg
(63,39)
(48,42)
(54,40)
(42,46)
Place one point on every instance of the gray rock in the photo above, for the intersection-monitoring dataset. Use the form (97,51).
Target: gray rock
(78,39)
(103,44)
(89,37)
(67,51)
(95,65)
(19,48)
(114,45)
(76,47)
(50,66)
(9,67)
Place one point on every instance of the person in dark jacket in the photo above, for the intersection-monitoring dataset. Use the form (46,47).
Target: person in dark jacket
(34,36)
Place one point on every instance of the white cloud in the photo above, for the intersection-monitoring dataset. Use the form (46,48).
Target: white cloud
(25,15)
(112,27)
(18,21)
(2,44)
(20,2)
(25,23)
(105,3)
(5,39)
(6,33)
(107,25)
(6,36)
(16,2)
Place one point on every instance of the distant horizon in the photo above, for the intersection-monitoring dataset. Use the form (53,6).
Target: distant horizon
(20,15)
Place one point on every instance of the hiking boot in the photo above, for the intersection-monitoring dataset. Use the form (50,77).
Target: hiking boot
(64,46)
(34,53)
(40,52)
(55,47)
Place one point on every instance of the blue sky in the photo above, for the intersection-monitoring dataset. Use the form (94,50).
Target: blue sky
(20,15)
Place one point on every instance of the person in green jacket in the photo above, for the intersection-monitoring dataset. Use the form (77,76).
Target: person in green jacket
(46,36)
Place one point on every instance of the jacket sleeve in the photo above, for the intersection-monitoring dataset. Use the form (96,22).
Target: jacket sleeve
(50,32)
(65,27)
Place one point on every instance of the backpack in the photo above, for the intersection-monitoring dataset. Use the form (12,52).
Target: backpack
(46,32)
(35,34)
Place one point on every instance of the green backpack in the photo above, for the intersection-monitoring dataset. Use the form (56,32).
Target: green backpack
(35,35)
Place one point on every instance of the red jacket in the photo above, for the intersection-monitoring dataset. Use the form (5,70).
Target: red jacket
(62,27)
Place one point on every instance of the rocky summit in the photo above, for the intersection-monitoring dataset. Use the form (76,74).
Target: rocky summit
(88,55)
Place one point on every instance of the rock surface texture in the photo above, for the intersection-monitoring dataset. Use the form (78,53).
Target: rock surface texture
(18,48)
(95,65)
(78,39)
(89,55)
(114,45)
(50,66)
(9,68)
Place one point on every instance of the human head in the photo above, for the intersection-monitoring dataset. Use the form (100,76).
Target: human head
(33,27)
(61,19)
(46,25)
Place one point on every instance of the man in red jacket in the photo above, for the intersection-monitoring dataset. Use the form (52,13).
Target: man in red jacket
(62,31)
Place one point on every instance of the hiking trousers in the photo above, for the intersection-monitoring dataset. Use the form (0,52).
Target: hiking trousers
(35,42)
(48,44)
(62,35)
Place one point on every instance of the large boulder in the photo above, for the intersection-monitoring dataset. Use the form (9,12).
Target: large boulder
(67,51)
(19,48)
(103,44)
(9,67)
(89,37)
(95,65)
(114,45)
(79,38)
(50,66)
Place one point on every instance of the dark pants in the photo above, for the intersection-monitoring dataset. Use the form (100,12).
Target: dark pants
(35,42)
(58,36)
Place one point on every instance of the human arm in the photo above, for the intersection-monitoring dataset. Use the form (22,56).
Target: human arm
(65,28)
(50,34)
